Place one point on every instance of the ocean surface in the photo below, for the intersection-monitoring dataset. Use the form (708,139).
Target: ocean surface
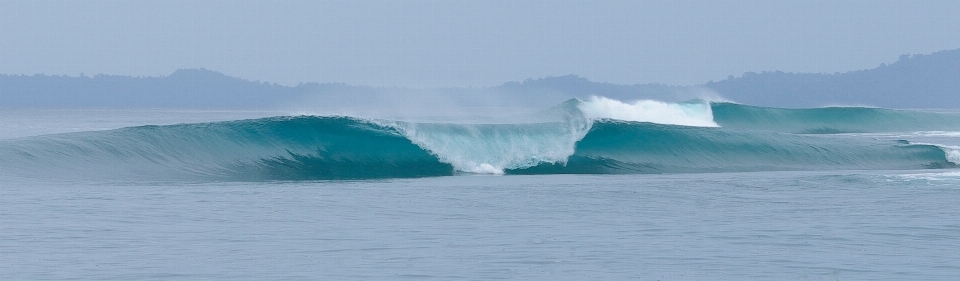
(594,189)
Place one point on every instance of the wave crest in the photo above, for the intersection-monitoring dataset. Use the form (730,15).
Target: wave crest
(698,114)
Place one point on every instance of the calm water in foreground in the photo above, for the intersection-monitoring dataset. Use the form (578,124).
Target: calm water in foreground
(770,225)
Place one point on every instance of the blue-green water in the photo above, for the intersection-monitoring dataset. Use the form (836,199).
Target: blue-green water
(587,190)
(570,139)
(732,226)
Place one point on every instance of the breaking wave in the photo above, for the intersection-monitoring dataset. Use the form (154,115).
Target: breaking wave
(597,135)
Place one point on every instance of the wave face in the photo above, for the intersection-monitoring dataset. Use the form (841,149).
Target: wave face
(594,136)
(631,147)
(831,120)
(278,148)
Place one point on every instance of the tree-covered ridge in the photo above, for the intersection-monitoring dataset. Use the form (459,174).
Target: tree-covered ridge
(914,81)
(917,81)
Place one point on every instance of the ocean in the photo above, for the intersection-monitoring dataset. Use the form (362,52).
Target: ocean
(585,190)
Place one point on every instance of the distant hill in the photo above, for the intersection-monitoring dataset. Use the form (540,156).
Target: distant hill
(185,88)
(205,89)
(917,81)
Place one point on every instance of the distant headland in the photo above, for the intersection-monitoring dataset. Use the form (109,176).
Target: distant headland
(914,81)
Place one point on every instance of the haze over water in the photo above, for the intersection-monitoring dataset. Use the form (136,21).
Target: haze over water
(159,169)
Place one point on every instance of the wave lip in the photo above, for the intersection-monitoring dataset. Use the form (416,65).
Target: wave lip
(698,114)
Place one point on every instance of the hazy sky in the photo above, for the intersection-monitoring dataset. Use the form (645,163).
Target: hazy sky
(468,43)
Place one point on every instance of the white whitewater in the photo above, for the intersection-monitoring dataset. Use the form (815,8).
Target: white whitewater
(952,153)
(489,149)
(698,114)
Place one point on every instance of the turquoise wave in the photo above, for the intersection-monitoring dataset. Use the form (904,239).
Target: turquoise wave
(325,148)
(831,120)
(632,147)
(278,148)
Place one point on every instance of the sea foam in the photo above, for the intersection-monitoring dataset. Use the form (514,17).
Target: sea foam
(697,114)
(952,153)
(492,149)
